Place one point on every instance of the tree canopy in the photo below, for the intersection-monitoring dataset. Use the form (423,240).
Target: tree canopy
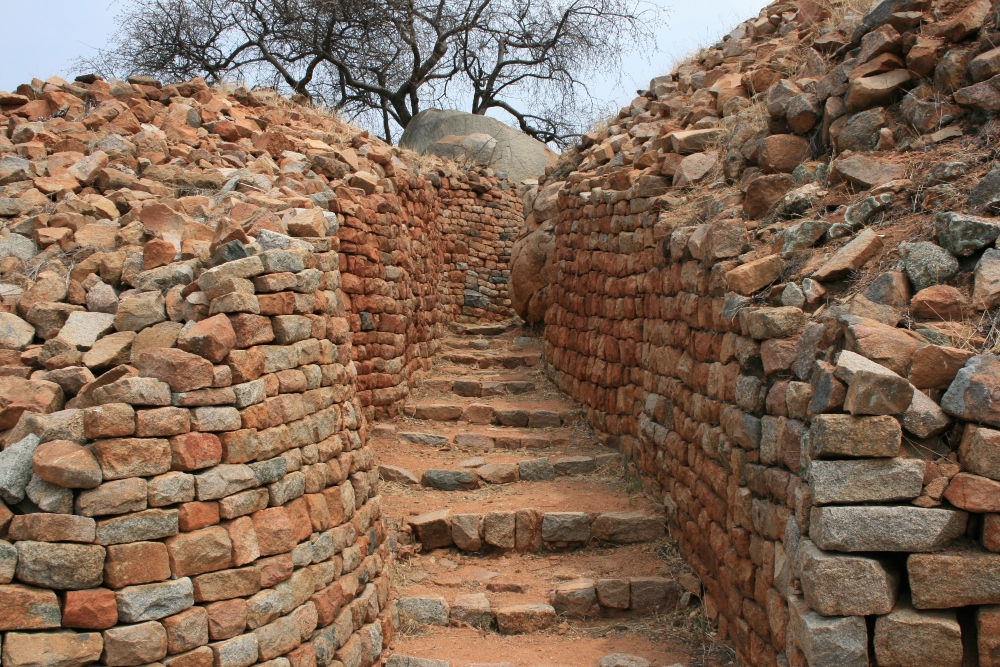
(380,62)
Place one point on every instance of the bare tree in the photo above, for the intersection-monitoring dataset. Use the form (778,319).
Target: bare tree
(388,59)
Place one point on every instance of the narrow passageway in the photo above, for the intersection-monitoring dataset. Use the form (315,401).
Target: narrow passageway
(522,540)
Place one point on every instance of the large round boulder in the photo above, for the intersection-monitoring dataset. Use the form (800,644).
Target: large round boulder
(484,141)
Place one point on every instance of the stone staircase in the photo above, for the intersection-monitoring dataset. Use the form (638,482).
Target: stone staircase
(521,540)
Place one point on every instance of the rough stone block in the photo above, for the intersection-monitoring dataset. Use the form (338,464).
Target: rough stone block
(907,637)
(170,488)
(525,618)
(884,528)
(450,480)
(528,530)
(187,630)
(28,608)
(988,629)
(121,458)
(150,602)
(979,451)
(227,618)
(536,470)
(277,638)
(969,397)
(93,609)
(426,610)
(613,593)
(836,436)
(466,531)
(433,529)
(145,525)
(54,649)
(131,645)
(52,528)
(576,599)
(240,651)
(841,585)
(870,480)
(117,497)
(66,464)
(60,566)
(136,563)
(499,529)
(964,574)
(226,584)
(566,527)
(627,527)
(473,609)
(872,389)
(838,641)
(649,594)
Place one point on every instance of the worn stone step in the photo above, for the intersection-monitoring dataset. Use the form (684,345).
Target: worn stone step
(479,388)
(529,529)
(492,329)
(502,360)
(501,414)
(477,472)
(585,597)
(516,439)
(467,438)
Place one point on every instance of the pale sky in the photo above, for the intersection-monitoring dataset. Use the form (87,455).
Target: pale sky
(42,38)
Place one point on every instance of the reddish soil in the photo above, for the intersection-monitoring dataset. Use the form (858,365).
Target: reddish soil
(464,646)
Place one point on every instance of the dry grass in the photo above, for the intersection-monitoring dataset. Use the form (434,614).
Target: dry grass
(747,122)
(845,15)
(227,87)
(689,626)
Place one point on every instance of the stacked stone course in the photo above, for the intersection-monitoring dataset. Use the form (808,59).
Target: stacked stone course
(779,456)
(198,514)
(434,253)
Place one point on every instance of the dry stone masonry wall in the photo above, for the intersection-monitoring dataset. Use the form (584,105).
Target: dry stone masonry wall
(204,300)
(435,252)
(771,284)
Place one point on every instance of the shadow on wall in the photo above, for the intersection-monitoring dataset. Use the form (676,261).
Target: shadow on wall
(531,256)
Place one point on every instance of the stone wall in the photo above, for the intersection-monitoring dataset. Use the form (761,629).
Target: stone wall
(813,490)
(204,300)
(773,285)
(434,252)
(214,504)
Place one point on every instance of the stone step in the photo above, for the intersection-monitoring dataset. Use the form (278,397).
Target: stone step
(581,598)
(492,329)
(494,344)
(529,529)
(498,413)
(477,472)
(465,437)
(498,360)
(479,388)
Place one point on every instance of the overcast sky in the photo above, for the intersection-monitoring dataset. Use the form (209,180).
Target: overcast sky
(43,37)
